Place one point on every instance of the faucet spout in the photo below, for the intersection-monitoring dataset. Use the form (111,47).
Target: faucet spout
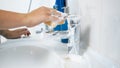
(66,7)
(74,34)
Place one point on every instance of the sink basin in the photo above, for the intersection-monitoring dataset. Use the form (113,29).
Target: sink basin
(29,57)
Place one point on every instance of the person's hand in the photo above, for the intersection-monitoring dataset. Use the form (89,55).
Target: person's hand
(15,33)
(42,14)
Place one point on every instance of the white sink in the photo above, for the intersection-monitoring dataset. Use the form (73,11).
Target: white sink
(32,53)
(28,57)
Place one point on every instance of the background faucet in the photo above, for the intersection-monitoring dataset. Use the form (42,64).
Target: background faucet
(66,7)
(61,5)
(74,39)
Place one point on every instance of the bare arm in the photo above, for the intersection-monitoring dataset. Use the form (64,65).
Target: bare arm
(10,19)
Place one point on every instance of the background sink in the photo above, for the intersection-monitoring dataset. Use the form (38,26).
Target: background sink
(29,57)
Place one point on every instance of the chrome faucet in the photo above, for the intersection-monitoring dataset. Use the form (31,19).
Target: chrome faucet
(74,34)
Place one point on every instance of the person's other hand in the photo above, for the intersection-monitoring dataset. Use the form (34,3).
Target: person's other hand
(42,14)
(15,33)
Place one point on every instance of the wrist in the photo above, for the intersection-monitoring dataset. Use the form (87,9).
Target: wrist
(31,20)
(25,20)
(28,20)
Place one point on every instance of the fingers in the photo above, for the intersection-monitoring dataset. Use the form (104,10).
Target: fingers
(51,20)
(48,23)
(19,32)
(54,12)
(24,31)
(55,19)
(54,16)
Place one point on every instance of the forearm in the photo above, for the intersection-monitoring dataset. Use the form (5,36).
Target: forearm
(11,19)
(2,32)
